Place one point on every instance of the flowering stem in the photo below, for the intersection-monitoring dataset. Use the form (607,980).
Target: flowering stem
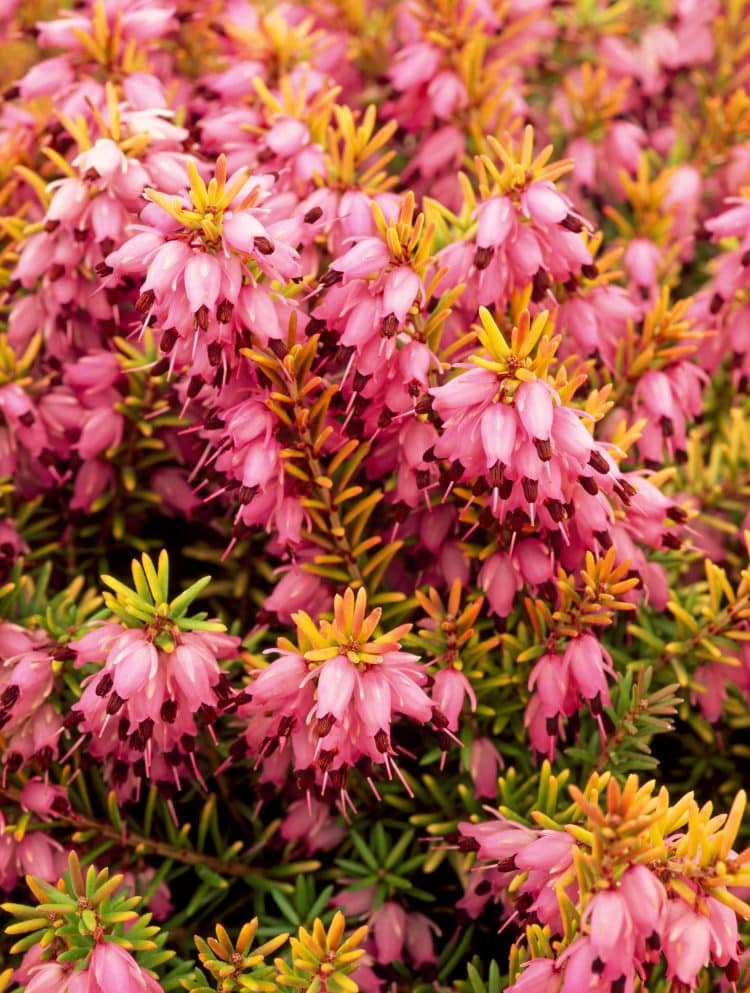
(144,845)
(316,471)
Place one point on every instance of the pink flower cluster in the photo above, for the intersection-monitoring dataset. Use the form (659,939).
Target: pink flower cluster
(143,707)
(423,324)
(329,709)
(653,911)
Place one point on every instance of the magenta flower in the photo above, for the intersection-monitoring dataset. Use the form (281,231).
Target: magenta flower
(484,764)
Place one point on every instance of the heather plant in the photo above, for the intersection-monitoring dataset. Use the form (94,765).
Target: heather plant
(374,480)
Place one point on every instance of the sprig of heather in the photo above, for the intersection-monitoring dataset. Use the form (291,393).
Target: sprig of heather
(326,705)
(158,680)
(619,886)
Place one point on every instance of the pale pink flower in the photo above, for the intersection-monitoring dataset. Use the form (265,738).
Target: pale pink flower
(112,969)
(500,582)
(388,924)
(420,940)
(611,930)
(686,942)
(645,898)
(449,689)
(484,764)
(48,977)
(589,664)
(537,976)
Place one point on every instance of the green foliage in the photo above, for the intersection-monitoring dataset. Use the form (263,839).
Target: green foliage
(72,917)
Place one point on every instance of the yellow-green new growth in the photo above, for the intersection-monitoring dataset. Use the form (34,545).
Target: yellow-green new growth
(322,962)
(351,633)
(147,604)
(80,911)
(237,967)
(209,201)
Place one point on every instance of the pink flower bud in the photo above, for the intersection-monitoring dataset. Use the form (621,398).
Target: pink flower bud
(134,661)
(569,434)
(420,945)
(133,256)
(49,977)
(500,582)
(484,763)
(116,971)
(388,925)
(544,204)
(166,267)
(588,662)
(46,77)
(202,281)
(400,291)
(535,561)
(336,683)
(646,899)
(495,222)
(282,678)
(413,65)
(641,260)
(105,157)
(69,202)
(287,136)
(448,692)
(447,94)
(498,427)
(686,942)
(376,698)
(611,928)
(40,797)
(549,678)
(538,976)
(368,256)
(533,401)
(239,231)
(102,431)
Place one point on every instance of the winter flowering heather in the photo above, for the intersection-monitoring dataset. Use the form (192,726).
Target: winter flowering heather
(374,496)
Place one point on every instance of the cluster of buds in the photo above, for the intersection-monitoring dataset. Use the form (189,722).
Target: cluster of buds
(203,253)
(236,966)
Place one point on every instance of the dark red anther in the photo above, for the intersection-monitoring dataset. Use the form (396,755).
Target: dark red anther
(598,462)
(145,302)
(264,245)
(589,484)
(389,327)
(530,489)
(483,257)
(114,703)
(169,338)
(543,448)
(382,741)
